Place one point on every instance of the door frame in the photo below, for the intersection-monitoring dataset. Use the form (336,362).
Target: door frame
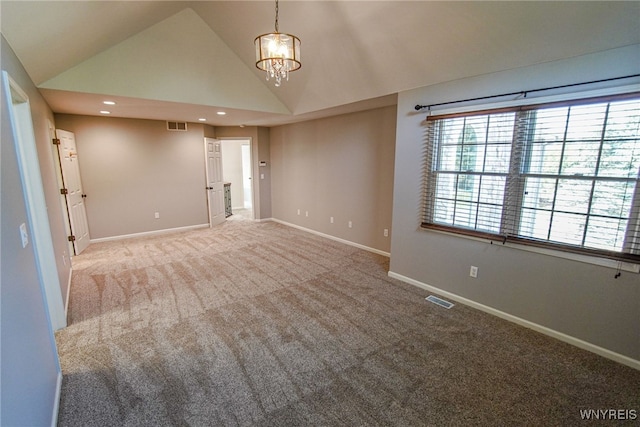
(253,171)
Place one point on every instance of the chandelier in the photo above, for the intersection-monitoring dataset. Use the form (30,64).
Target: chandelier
(278,54)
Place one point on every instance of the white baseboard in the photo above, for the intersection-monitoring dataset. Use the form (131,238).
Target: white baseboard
(328,236)
(149,233)
(625,360)
(56,403)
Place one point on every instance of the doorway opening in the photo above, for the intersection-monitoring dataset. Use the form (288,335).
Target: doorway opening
(238,172)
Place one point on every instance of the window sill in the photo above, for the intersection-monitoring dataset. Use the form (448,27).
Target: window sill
(626,266)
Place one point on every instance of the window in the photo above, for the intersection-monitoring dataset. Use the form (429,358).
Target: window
(563,176)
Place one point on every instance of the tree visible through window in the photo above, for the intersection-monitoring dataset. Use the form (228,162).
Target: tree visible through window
(565,176)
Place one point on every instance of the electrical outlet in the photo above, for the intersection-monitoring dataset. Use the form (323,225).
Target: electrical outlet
(157,215)
(386,232)
(298,211)
(306,213)
(473,271)
(350,224)
(331,220)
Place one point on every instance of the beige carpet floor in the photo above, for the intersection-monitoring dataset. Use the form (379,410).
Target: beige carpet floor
(255,323)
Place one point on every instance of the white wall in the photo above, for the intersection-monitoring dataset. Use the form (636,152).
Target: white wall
(582,301)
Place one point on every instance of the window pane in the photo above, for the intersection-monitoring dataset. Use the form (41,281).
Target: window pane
(606,233)
(492,190)
(544,158)
(445,186)
(468,187)
(620,158)
(465,214)
(443,212)
(550,124)
(567,228)
(471,159)
(580,158)
(623,120)
(448,160)
(501,128)
(535,224)
(497,158)
(489,218)
(585,122)
(475,130)
(451,131)
(539,193)
(573,196)
(612,199)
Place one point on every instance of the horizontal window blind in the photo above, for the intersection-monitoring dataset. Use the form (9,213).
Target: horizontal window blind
(559,175)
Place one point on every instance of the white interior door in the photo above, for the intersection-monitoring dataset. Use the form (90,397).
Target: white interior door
(73,186)
(215,183)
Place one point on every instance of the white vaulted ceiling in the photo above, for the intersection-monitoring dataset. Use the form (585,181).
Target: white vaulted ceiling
(181,60)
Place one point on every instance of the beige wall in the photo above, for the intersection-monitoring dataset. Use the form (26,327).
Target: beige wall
(260,151)
(30,368)
(340,167)
(131,169)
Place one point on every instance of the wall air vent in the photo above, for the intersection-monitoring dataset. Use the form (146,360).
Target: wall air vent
(178,126)
(440,302)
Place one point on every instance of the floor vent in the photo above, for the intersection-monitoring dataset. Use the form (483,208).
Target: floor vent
(180,126)
(440,302)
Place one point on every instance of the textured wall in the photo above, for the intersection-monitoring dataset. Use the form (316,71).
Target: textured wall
(340,167)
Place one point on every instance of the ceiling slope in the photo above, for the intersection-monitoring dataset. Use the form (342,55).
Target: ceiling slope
(180,59)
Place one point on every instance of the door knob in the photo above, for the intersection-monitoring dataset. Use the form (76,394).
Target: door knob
(209,188)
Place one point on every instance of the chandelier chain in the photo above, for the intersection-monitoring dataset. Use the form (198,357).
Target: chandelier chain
(277,16)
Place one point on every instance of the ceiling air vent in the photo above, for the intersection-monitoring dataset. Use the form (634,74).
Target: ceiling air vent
(179,126)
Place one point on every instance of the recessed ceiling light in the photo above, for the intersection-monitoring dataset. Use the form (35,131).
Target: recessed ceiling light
(108,102)
(105,112)
(221,113)
(202,119)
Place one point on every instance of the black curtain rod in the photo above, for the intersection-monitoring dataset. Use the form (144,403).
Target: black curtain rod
(524,92)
